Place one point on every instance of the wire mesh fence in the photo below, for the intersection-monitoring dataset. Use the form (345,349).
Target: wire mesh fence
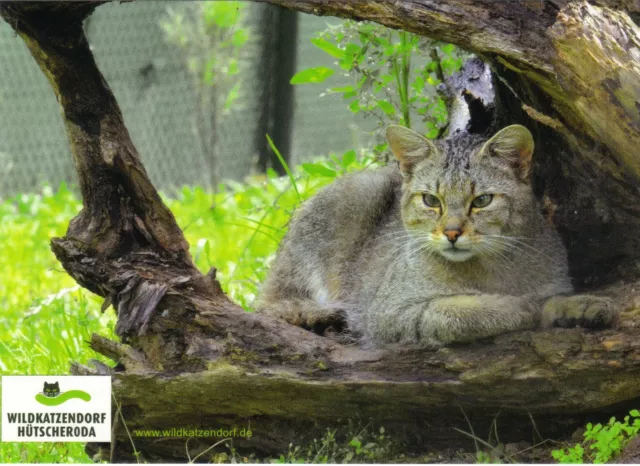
(161,104)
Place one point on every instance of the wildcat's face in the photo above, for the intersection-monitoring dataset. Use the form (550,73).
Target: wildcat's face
(465,197)
(51,389)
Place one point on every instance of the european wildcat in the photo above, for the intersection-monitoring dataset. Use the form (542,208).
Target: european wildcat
(448,246)
(51,389)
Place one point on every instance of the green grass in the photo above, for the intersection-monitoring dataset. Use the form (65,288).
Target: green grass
(46,319)
(602,443)
(363,445)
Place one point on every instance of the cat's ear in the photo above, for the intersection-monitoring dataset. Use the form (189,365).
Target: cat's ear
(408,147)
(513,144)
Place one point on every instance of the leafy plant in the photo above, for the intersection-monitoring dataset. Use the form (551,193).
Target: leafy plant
(211,36)
(394,73)
(363,446)
(601,442)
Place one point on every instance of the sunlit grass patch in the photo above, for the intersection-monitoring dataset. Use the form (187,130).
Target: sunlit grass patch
(46,319)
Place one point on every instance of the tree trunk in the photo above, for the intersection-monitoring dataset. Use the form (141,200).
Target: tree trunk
(189,357)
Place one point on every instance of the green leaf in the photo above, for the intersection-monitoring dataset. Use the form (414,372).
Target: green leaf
(319,169)
(389,50)
(386,107)
(635,413)
(348,158)
(233,68)
(207,251)
(328,47)
(433,133)
(240,37)
(380,147)
(346,63)
(233,95)
(386,78)
(418,83)
(312,75)
(448,49)
(342,89)
(352,49)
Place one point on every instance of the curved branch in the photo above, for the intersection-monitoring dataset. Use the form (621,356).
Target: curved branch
(122,211)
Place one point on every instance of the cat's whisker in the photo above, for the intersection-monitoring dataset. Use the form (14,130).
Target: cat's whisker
(400,240)
(517,244)
(509,248)
(505,264)
(402,234)
(524,242)
(531,258)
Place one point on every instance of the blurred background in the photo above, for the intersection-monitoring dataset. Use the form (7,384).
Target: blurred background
(199,84)
(143,49)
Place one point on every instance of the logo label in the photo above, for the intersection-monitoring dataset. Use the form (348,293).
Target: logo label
(56,408)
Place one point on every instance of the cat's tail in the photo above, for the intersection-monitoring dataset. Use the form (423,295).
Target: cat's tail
(305,313)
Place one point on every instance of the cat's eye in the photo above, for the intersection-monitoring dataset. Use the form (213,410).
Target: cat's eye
(482,201)
(430,200)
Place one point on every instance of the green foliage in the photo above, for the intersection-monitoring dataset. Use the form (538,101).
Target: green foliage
(239,228)
(312,75)
(395,73)
(47,319)
(365,446)
(212,36)
(483,457)
(601,442)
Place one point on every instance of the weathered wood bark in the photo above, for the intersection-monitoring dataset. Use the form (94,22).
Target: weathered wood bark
(191,358)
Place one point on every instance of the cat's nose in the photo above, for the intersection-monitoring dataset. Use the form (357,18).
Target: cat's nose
(452,234)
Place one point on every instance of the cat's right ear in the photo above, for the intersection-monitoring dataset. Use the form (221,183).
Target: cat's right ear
(513,144)
(408,147)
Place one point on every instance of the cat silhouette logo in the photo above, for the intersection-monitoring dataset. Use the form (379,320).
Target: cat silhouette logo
(52,396)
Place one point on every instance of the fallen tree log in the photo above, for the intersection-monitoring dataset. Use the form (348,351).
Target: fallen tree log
(551,381)
(189,357)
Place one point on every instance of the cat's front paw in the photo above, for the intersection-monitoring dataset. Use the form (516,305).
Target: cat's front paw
(578,311)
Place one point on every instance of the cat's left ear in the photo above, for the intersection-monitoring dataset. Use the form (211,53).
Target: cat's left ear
(514,144)
(408,147)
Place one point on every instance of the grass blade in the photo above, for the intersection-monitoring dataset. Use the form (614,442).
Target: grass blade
(285,166)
